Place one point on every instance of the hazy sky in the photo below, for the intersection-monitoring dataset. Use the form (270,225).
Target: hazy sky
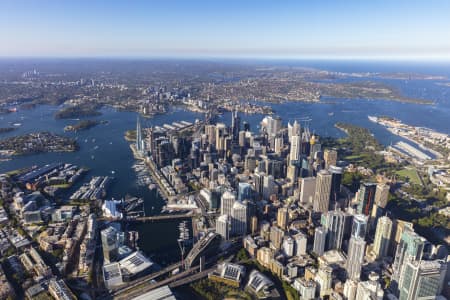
(224,28)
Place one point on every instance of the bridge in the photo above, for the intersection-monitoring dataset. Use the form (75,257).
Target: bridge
(162,217)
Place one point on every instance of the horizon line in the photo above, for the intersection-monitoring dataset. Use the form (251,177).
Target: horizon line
(405,58)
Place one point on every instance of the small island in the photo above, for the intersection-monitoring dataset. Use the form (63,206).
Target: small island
(71,112)
(82,125)
(7,129)
(38,142)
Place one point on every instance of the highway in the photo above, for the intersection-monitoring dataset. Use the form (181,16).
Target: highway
(134,292)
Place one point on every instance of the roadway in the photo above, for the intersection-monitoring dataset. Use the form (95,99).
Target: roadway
(162,217)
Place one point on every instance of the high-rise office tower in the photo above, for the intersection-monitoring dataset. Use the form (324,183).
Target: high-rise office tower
(382,237)
(110,243)
(235,125)
(282,217)
(278,145)
(336,179)
(258,179)
(223,226)
(334,222)
(239,218)
(268,186)
(300,244)
(245,191)
(293,129)
(320,235)
(350,288)
(220,137)
(330,157)
(359,226)
(291,173)
(288,246)
(295,150)
(366,198)
(409,249)
(210,131)
(398,227)
(273,125)
(355,257)
(242,139)
(226,203)
(381,195)
(422,279)
(322,192)
(307,190)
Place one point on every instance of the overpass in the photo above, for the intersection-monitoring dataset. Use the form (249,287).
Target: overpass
(207,246)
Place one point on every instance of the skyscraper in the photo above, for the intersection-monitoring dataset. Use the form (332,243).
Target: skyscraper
(226,204)
(334,222)
(268,187)
(359,226)
(210,131)
(293,130)
(336,179)
(366,198)
(223,226)
(220,137)
(139,141)
(244,191)
(382,237)
(422,279)
(282,217)
(278,145)
(307,190)
(330,157)
(320,235)
(235,125)
(398,227)
(322,192)
(294,155)
(239,218)
(355,257)
(110,243)
(300,244)
(409,249)
(382,195)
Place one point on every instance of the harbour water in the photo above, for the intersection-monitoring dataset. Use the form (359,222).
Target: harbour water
(105,152)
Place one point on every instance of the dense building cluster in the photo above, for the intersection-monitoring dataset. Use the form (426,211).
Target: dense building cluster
(281,192)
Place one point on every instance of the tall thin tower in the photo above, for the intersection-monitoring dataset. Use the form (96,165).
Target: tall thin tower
(139,146)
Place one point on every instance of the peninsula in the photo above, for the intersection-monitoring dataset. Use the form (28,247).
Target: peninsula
(38,142)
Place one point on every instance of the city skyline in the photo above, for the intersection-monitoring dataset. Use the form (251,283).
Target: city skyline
(400,30)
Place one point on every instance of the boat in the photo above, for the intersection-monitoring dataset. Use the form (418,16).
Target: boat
(113,172)
(17,124)
(373,119)
(331,114)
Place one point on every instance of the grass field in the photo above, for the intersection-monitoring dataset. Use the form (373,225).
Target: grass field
(411,174)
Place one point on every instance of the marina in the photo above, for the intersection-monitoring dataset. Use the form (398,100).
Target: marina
(94,190)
